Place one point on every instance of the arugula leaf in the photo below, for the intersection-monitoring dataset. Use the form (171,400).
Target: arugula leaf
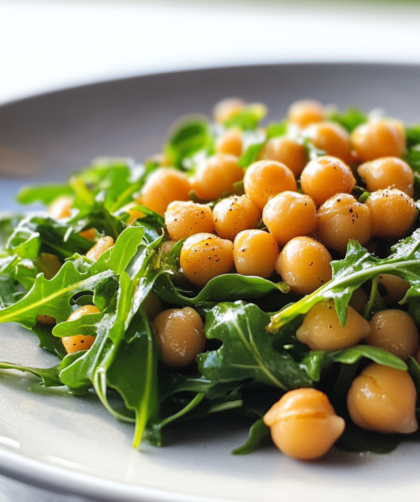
(251,154)
(45,193)
(257,433)
(256,143)
(48,376)
(188,136)
(248,118)
(350,273)
(351,118)
(247,351)
(412,136)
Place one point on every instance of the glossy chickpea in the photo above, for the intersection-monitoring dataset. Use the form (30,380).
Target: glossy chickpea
(303,424)
(306,112)
(287,151)
(267,178)
(226,109)
(77,343)
(332,138)
(325,177)
(392,213)
(342,218)
(152,305)
(304,264)
(359,300)
(289,215)
(379,138)
(394,331)
(217,175)
(321,329)
(255,253)
(60,207)
(234,214)
(184,219)
(230,143)
(103,244)
(205,256)
(180,334)
(383,399)
(396,288)
(164,186)
(389,172)
(46,319)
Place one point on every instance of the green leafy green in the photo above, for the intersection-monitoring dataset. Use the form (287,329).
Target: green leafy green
(248,118)
(45,193)
(351,118)
(258,432)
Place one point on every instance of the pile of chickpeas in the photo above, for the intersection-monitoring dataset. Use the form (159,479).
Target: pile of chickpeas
(294,217)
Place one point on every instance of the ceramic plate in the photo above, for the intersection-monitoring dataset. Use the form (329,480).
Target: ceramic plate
(70,444)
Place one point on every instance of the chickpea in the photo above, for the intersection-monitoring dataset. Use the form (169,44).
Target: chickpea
(164,186)
(205,256)
(326,176)
(394,331)
(166,247)
(321,329)
(392,213)
(289,215)
(103,244)
(230,143)
(180,334)
(267,178)
(152,305)
(287,151)
(48,264)
(396,288)
(184,219)
(46,319)
(60,207)
(255,253)
(380,138)
(359,300)
(305,112)
(76,343)
(303,424)
(389,172)
(217,175)
(234,214)
(227,108)
(342,218)
(89,234)
(304,264)
(383,399)
(332,138)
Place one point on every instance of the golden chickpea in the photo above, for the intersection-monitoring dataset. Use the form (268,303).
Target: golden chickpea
(205,256)
(164,186)
(234,214)
(342,218)
(76,343)
(230,143)
(288,215)
(180,334)
(227,108)
(287,151)
(152,305)
(326,176)
(396,288)
(46,319)
(380,138)
(184,219)
(359,300)
(332,138)
(103,244)
(389,172)
(304,264)
(303,424)
(392,213)
(60,207)
(89,234)
(255,253)
(217,175)
(305,112)
(394,331)
(321,329)
(383,399)
(267,178)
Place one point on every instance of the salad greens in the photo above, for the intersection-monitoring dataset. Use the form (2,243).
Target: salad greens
(252,356)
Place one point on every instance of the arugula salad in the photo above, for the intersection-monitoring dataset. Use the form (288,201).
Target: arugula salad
(271,271)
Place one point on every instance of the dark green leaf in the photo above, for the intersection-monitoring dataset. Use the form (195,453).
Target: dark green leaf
(257,433)
(412,136)
(349,119)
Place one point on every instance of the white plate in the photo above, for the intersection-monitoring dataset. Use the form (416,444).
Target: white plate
(71,444)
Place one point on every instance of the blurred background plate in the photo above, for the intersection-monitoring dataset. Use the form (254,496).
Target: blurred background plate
(70,444)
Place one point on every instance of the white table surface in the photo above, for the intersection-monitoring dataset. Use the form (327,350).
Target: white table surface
(48,45)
